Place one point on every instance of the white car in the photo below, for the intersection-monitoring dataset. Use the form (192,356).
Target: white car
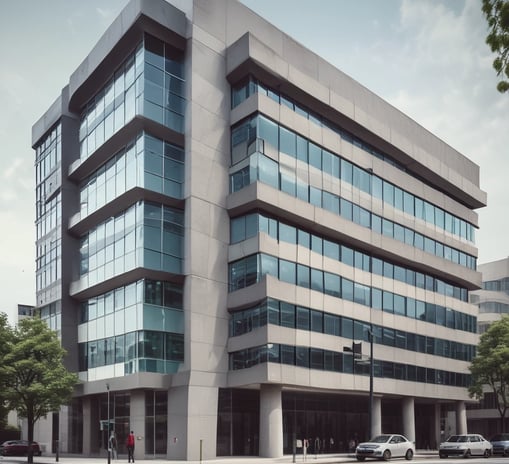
(385,447)
(466,445)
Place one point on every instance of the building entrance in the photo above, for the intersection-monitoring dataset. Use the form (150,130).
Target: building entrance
(328,422)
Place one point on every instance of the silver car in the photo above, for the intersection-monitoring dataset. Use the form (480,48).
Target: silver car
(500,443)
(466,445)
(385,447)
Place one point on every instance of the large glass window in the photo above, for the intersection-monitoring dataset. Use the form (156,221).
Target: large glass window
(287,315)
(315,358)
(150,83)
(396,197)
(124,242)
(251,269)
(161,162)
(148,351)
(248,141)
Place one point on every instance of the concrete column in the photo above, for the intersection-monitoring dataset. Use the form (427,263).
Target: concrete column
(271,421)
(177,423)
(63,430)
(409,418)
(202,425)
(461,417)
(438,431)
(376,417)
(192,422)
(89,445)
(137,422)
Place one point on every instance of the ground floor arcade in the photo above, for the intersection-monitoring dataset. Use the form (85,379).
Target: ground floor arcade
(264,422)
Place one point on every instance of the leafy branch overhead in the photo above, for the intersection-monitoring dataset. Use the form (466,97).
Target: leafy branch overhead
(497,15)
(490,367)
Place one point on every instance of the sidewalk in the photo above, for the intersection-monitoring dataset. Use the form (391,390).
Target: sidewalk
(287,459)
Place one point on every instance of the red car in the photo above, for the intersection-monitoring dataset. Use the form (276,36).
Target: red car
(19,448)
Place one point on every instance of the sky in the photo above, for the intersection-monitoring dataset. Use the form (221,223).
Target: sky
(428,58)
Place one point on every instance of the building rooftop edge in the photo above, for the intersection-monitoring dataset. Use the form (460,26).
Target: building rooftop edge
(395,128)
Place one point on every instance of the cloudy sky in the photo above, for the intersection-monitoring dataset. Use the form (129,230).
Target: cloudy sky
(428,58)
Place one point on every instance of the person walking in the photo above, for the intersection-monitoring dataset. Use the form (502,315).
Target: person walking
(113,445)
(130,447)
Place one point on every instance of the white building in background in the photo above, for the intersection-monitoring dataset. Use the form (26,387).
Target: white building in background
(219,213)
(493,302)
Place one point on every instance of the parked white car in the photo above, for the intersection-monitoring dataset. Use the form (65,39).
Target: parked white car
(465,445)
(385,447)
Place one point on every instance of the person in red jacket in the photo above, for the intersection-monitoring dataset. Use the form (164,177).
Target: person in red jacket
(130,446)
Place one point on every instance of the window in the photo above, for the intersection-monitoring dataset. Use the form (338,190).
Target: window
(303,318)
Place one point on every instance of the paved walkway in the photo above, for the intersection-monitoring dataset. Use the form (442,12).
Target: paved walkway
(287,459)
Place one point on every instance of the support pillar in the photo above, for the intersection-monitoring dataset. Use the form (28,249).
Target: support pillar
(438,431)
(376,417)
(87,427)
(409,418)
(461,417)
(137,422)
(271,421)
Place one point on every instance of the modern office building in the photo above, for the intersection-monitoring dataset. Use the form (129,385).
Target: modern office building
(222,216)
(493,303)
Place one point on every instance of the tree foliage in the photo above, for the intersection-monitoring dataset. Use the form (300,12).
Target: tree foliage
(5,346)
(497,14)
(490,367)
(37,381)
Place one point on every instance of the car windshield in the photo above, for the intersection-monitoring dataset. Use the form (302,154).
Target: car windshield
(380,439)
(458,439)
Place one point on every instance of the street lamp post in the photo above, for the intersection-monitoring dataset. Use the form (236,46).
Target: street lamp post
(108,427)
(371,366)
(356,350)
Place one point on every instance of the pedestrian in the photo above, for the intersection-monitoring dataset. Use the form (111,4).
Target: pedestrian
(317,447)
(351,445)
(130,447)
(113,445)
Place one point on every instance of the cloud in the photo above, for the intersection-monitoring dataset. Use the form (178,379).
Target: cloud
(453,95)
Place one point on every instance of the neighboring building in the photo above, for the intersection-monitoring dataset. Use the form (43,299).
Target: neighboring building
(219,213)
(493,302)
(25,311)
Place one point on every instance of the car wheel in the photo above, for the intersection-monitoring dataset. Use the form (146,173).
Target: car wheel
(386,455)
(467,454)
(360,458)
(442,455)
(487,453)
(409,455)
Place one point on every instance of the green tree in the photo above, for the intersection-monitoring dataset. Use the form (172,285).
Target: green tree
(490,367)
(5,346)
(497,14)
(38,381)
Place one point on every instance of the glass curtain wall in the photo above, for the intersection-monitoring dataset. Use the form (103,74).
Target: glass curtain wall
(149,83)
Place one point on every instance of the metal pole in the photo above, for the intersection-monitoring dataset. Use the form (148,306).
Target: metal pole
(108,428)
(294,434)
(371,366)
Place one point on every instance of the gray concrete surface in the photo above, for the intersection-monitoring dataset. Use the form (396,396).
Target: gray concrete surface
(287,459)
